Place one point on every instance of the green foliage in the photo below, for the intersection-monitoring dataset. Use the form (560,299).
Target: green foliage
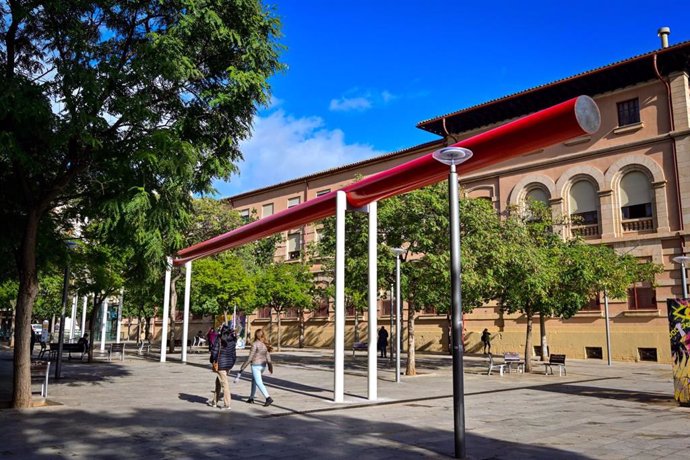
(219,283)
(286,285)
(119,112)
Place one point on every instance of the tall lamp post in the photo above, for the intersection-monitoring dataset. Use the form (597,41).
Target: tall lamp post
(61,331)
(453,156)
(398,252)
(682,260)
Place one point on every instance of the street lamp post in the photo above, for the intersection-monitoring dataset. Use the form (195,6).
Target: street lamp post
(453,156)
(398,252)
(61,331)
(682,260)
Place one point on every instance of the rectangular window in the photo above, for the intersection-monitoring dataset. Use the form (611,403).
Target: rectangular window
(264,313)
(593,305)
(291,312)
(641,298)
(637,211)
(267,210)
(429,310)
(293,201)
(294,244)
(323,192)
(629,112)
(585,218)
(647,354)
(594,353)
(350,311)
(386,307)
(244,215)
(322,310)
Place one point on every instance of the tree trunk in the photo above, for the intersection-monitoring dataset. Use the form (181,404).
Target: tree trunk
(411,363)
(301,327)
(528,341)
(173,312)
(542,333)
(28,289)
(92,324)
(356,325)
(279,331)
(449,334)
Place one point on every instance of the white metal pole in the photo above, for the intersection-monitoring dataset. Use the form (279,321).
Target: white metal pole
(398,310)
(119,315)
(339,351)
(104,321)
(390,327)
(166,308)
(73,316)
(608,331)
(185,321)
(684,280)
(373,299)
(83,316)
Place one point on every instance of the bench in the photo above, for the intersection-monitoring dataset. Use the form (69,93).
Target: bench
(493,365)
(40,371)
(513,361)
(68,348)
(116,348)
(144,346)
(359,346)
(555,360)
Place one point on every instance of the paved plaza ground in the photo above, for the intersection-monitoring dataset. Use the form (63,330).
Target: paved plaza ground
(141,408)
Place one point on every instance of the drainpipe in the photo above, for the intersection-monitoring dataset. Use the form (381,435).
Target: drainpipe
(674,153)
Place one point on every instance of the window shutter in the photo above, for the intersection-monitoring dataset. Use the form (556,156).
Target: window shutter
(635,189)
(583,197)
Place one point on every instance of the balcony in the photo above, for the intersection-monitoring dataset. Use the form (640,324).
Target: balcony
(585,231)
(643,224)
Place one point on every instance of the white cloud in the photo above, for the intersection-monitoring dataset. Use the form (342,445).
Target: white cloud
(283,147)
(387,96)
(346,104)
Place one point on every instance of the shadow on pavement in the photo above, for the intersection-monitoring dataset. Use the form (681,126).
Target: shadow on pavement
(201,433)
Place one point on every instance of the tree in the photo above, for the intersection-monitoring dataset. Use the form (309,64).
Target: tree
(419,222)
(219,283)
(122,110)
(544,274)
(282,286)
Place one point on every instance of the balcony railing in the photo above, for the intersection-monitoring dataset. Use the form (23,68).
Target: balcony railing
(585,231)
(643,224)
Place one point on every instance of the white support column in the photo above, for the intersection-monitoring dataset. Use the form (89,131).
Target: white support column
(185,321)
(73,317)
(119,315)
(83,317)
(339,345)
(373,300)
(166,308)
(104,321)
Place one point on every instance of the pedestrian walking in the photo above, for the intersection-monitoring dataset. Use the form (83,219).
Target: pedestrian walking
(211,336)
(34,338)
(382,341)
(260,359)
(223,356)
(486,340)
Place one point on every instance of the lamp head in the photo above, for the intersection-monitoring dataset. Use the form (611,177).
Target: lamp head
(452,155)
(397,252)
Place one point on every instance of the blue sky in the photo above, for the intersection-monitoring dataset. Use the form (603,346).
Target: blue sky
(361,74)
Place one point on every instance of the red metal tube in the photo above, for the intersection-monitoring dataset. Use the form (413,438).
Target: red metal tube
(561,122)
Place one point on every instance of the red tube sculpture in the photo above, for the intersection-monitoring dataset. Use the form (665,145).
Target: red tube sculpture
(561,122)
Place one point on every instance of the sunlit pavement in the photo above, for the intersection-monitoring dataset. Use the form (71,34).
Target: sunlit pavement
(141,408)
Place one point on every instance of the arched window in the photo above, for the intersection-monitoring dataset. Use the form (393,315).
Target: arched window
(537,194)
(636,202)
(636,196)
(584,202)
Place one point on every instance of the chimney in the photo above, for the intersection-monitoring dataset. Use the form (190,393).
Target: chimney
(664,32)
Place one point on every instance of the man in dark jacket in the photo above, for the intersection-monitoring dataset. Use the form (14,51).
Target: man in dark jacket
(223,352)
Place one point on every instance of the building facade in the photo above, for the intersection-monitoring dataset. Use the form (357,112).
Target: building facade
(628,185)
